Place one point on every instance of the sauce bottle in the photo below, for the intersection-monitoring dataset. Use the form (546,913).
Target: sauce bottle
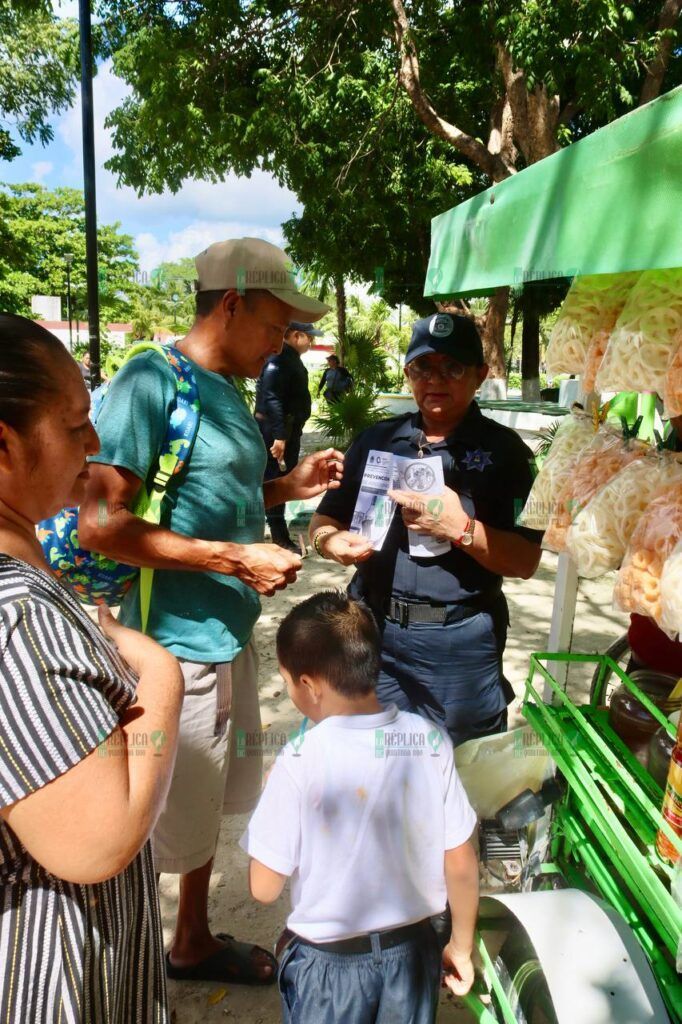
(672,802)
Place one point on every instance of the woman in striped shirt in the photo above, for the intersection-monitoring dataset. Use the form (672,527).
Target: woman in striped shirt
(81,783)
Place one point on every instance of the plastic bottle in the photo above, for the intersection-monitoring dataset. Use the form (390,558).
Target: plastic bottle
(672,802)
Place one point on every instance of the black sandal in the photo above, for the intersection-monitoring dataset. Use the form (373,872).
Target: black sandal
(233,964)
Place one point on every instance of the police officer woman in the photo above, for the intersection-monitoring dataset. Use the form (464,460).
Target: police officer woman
(440,606)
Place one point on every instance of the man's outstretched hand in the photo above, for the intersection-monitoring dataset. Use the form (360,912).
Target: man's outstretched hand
(315,474)
(265,567)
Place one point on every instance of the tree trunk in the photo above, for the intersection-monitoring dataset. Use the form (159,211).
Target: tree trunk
(512,336)
(530,357)
(340,290)
(493,333)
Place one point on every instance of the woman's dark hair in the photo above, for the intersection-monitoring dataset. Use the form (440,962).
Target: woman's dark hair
(28,375)
(330,637)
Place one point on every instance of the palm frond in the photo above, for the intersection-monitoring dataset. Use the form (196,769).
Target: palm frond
(547,435)
(341,422)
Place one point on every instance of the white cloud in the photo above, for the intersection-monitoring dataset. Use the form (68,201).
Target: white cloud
(65,8)
(40,170)
(206,211)
(195,237)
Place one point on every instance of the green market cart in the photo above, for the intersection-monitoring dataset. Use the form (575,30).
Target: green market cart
(593,934)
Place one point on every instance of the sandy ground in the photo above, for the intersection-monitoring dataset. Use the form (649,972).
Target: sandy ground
(231,908)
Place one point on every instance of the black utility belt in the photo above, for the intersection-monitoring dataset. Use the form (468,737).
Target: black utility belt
(363,943)
(406,612)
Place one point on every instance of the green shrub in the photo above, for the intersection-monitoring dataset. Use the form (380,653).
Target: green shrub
(514,382)
(342,421)
(367,361)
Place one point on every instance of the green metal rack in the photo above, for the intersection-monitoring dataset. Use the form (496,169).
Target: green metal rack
(604,829)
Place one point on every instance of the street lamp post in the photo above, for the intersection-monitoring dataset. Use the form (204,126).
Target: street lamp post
(89,190)
(68,260)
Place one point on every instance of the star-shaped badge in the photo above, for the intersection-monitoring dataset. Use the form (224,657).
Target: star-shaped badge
(477,460)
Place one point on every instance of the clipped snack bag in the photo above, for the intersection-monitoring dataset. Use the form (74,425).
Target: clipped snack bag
(645,335)
(600,533)
(592,306)
(638,587)
(671,593)
(593,359)
(672,395)
(607,454)
(573,436)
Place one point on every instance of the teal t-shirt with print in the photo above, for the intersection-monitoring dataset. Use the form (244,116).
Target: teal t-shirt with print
(201,616)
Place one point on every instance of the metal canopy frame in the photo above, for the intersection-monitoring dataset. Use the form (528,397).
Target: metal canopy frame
(600,206)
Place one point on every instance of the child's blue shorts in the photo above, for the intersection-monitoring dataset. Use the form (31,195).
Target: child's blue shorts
(386,985)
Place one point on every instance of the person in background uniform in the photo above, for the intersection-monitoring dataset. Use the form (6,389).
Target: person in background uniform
(443,618)
(335,381)
(282,408)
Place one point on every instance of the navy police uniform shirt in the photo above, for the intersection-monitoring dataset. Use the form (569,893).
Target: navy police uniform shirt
(282,395)
(490,468)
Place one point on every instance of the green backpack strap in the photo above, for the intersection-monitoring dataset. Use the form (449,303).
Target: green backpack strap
(175,451)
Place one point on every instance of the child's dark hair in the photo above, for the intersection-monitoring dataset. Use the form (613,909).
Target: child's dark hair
(331,637)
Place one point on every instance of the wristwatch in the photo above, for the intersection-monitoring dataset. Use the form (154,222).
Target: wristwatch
(467,537)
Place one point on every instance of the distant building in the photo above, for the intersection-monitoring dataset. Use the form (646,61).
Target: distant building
(79,329)
(47,307)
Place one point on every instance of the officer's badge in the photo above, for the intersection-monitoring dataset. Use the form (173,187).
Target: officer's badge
(477,460)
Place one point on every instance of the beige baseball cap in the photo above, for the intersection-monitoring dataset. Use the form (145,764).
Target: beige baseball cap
(245,263)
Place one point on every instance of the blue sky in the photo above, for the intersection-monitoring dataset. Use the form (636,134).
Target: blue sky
(165,226)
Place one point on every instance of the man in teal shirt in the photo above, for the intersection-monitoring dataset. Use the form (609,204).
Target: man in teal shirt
(210,563)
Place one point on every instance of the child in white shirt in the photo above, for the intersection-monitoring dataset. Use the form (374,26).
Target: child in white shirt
(367,816)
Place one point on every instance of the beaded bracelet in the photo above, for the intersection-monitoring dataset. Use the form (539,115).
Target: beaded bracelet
(319,535)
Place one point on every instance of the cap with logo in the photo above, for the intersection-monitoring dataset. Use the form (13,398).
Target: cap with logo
(249,263)
(446,334)
(306,328)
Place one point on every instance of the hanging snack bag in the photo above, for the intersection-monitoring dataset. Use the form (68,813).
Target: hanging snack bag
(591,307)
(607,455)
(571,439)
(593,359)
(671,593)
(599,534)
(672,395)
(638,587)
(645,335)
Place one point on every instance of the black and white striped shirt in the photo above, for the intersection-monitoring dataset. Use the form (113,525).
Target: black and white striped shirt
(69,954)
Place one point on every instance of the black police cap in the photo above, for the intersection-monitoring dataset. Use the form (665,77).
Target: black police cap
(446,334)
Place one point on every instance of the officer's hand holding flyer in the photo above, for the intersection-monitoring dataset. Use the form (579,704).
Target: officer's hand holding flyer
(374,510)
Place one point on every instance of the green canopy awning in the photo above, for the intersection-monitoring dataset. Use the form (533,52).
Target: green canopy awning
(607,204)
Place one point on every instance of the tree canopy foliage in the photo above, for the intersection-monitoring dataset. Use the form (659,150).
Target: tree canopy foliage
(38,227)
(166,303)
(377,115)
(38,71)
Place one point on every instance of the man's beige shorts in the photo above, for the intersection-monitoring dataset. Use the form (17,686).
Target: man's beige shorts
(215,773)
